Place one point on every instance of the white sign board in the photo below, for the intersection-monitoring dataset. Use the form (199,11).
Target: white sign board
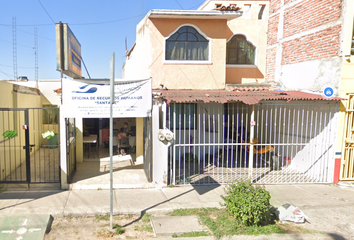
(82,98)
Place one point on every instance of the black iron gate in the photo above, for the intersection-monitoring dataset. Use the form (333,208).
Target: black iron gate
(147,148)
(29,149)
(70,147)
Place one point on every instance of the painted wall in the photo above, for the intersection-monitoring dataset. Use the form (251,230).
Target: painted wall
(188,76)
(253,24)
(138,58)
(14,96)
(46,87)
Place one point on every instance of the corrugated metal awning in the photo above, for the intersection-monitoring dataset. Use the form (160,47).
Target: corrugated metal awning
(248,96)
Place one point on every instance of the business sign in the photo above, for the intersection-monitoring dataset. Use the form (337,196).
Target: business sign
(87,99)
(68,51)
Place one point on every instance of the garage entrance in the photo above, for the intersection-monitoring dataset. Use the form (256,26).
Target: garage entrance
(267,143)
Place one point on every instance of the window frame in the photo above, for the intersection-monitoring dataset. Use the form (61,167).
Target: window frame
(186,62)
(235,65)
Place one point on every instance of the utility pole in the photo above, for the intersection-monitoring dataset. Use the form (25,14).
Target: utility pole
(111,139)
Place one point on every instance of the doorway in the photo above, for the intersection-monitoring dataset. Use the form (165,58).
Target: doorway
(128,167)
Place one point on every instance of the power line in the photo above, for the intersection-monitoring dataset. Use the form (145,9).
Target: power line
(77,24)
(12,66)
(112,21)
(9,75)
(46,11)
(18,44)
(31,33)
(179,4)
(196,5)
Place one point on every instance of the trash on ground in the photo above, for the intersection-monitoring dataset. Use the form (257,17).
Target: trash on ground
(288,212)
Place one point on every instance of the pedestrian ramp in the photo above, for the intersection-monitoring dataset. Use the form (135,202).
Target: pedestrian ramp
(31,227)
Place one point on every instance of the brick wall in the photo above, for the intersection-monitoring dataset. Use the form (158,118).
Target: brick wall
(309,14)
(300,18)
(270,63)
(273,29)
(322,44)
(274,5)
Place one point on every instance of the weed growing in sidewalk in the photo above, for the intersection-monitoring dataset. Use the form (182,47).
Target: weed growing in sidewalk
(145,218)
(118,229)
(102,218)
(144,227)
(191,234)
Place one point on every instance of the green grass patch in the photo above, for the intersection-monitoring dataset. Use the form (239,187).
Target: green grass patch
(191,234)
(118,229)
(102,218)
(2,189)
(144,227)
(222,224)
(145,218)
(193,211)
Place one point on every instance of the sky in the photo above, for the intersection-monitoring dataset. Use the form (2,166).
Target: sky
(101,27)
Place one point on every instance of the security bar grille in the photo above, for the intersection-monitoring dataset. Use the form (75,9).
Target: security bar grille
(272,142)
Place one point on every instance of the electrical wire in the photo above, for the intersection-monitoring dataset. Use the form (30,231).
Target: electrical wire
(46,11)
(9,75)
(12,66)
(17,43)
(179,5)
(196,6)
(112,21)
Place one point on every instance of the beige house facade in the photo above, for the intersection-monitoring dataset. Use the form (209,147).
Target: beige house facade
(218,27)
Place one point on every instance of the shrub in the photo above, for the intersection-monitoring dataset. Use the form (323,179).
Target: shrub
(247,203)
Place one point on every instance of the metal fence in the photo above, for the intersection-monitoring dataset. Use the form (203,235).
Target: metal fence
(30,153)
(70,131)
(271,142)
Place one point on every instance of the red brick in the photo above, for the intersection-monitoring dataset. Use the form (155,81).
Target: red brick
(273,29)
(274,5)
(322,44)
(309,14)
(271,54)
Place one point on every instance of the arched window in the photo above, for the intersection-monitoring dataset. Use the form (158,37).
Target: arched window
(187,44)
(240,51)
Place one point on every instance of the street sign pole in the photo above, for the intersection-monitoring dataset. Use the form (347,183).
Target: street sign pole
(111,139)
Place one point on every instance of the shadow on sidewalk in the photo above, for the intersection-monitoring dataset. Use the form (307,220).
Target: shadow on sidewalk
(22,195)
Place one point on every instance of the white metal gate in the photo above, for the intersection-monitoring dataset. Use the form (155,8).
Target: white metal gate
(271,142)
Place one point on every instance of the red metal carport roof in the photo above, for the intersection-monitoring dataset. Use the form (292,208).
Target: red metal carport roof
(249,96)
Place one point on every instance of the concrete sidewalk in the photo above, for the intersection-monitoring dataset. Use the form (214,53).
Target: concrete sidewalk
(329,208)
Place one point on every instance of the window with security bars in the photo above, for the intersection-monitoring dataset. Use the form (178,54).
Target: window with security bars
(240,51)
(187,44)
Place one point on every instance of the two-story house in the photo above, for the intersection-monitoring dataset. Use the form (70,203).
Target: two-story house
(208,69)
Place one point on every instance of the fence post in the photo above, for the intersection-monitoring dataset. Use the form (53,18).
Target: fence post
(251,152)
(27,146)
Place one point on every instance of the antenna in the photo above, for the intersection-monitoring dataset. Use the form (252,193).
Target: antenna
(36,55)
(14,47)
